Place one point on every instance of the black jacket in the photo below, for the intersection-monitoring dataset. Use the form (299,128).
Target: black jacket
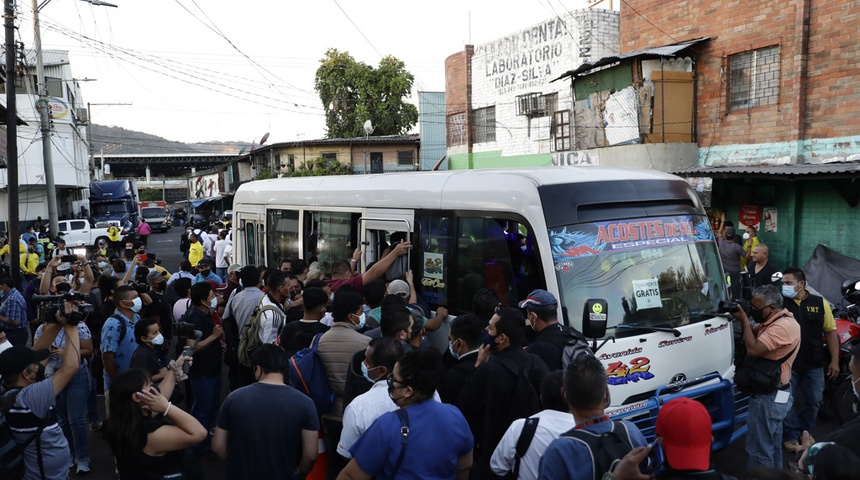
(454,378)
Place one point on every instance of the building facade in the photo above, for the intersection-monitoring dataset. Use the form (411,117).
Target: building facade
(503,108)
(68,142)
(777,102)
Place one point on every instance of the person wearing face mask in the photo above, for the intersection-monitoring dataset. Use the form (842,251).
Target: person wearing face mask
(72,401)
(239,309)
(816,320)
(440,443)
(542,316)
(378,363)
(464,338)
(204,273)
(150,354)
(267,409)
(117,342)
(775,336)
(298,335)
(35,398)
(751,241)
(493,396)
(336,349)
(206,370)
(159,307)
(273,320)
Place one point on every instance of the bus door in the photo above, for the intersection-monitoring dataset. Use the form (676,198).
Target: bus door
(252,231)
(378,227)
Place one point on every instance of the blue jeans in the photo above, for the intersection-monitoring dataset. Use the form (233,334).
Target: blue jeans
(221,272)
(92,400)
(207,391)
(810,383)
(764,440)
(72,410)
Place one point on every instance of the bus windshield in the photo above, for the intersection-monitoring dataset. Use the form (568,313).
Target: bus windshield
(653,272)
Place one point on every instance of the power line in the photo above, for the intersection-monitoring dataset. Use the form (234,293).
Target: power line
(359,30)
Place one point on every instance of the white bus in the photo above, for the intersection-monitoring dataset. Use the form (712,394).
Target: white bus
(638,240)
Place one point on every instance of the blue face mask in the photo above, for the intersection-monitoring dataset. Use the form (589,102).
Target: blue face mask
(158,340)
(365,372)
(788,291)
(102,265)
(214,303)
(362,319)
(452,351)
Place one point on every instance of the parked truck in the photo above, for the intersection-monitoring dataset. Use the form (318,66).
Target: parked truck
(115,201)
(156,215)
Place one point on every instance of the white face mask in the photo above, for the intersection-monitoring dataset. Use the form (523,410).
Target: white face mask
(214,303)
(136,305)
(746,236)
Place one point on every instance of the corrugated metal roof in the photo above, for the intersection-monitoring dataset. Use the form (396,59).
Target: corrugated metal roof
(346,141)
(822,170)
(664,51)
(49,57)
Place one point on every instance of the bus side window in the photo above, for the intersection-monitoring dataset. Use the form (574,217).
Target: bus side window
(496,253)
(282,241)
(330,237)
(250,244)
(432,246)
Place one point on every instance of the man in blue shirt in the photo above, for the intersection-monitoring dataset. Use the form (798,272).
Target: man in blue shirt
(587,394)
(13,312)
(440,442)
(204,273)
(117,342)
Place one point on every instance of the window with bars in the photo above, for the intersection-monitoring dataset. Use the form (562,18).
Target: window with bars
(405,157)
(754,80)
(561,131)
(457,129)
(484,128)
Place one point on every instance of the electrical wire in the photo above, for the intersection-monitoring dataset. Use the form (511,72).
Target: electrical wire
(359,30)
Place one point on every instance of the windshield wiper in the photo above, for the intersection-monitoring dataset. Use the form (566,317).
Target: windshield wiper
(673,331)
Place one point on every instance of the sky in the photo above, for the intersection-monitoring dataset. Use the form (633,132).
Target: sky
(219,70)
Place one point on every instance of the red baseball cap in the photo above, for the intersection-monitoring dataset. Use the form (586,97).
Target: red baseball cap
(684,428)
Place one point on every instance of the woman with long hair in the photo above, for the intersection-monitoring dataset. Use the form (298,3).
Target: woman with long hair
(147,434)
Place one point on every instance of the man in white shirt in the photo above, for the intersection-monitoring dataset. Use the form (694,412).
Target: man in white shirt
(223,254)
(380,357)
(183,272)
(553,421)
(273,320)
(209,244)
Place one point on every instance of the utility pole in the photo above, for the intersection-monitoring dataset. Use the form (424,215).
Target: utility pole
(11,141)
(45,123)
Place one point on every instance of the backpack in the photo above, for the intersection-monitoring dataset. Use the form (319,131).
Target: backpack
(307,374)
(11,451)
(527,434)
(249,337)
(604,448)
(522,401)
(576,345)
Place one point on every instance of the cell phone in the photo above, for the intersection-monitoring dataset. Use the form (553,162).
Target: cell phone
(69,258)
(142,256)
(187,351)
(653,463)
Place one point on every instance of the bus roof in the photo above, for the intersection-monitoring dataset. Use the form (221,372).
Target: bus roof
(492,189)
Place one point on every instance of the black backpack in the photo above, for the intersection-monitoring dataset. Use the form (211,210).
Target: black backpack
(575,345)
(605,448)
(12,451)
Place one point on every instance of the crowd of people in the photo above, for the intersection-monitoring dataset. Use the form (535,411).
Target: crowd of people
(498,399)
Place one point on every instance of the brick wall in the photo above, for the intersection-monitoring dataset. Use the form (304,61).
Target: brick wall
(832,81)
(458,95)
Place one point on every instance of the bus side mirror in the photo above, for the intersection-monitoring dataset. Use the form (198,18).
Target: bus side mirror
(594,318)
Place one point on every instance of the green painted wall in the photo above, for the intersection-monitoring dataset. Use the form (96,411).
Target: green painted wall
(613,79)
(809,213)
(494,159)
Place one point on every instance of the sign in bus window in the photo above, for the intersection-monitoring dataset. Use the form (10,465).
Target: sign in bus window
(435,242)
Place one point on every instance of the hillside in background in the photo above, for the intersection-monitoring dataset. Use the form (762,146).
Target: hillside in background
(117,140)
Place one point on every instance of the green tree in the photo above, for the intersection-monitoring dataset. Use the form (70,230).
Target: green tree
(320,166)
(354,92)
(150,194)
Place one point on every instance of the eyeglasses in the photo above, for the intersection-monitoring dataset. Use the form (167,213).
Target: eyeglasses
(391,381)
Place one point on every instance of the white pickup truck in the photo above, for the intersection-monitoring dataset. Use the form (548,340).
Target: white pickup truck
(75,230)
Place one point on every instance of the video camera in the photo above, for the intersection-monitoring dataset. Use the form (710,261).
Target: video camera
(185,330)
(48,306)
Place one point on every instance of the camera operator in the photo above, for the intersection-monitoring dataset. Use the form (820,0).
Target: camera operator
(159,307)
(35,396)
(72,401)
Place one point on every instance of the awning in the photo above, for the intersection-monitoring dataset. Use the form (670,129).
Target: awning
(791,172)
(664,51)
(200,201)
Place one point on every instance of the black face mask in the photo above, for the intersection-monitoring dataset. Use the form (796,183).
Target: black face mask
(757,314)
(40,372)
